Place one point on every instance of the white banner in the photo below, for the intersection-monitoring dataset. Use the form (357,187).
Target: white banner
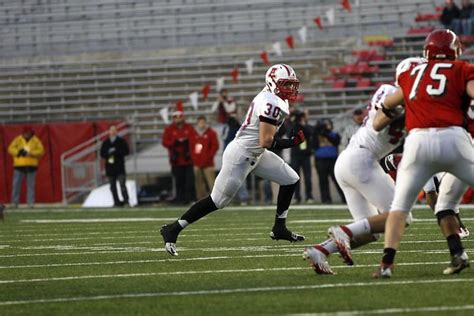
(193,98)
(277,49)
(219,83)
(164,112)
(249,65)
(303,33)
(331,16)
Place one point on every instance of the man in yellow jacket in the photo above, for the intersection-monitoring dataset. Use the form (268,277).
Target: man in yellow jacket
(26,150)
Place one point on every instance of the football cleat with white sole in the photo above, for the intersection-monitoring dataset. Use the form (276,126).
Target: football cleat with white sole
(170,235)
(384,271)
(463,233)
(317,259)
(458,263)
(343,243)
(282,233)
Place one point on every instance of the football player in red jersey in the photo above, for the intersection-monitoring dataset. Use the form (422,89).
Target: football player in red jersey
(436,96)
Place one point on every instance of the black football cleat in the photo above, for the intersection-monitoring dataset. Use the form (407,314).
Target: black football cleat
(282,233)
(170,234)
(458,263)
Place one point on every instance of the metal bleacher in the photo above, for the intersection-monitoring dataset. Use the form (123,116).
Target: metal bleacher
(87,60)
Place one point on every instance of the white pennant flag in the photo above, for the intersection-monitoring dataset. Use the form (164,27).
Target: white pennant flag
(277,48)
(193,98)
(219,83)
(303,33)
(249,64)
(164,112)
(331,16)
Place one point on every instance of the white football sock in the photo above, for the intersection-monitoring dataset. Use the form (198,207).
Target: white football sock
(329,245)
(359,228)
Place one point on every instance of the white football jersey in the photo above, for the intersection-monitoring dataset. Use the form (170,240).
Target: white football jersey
(265,107)
(383,142)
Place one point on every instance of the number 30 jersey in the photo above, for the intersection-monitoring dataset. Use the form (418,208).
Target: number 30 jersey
(383,142)
(435,93)
(265,107)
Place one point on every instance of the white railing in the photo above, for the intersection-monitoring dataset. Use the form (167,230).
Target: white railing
(81,166)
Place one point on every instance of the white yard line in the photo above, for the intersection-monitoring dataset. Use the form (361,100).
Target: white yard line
(119,262)
(383,283)
(98,220)
(110,249)
(426,309)
(186,272)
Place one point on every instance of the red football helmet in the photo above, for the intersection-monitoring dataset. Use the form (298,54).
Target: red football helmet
(442,44)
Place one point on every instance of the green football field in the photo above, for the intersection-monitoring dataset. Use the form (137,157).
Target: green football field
(111,262)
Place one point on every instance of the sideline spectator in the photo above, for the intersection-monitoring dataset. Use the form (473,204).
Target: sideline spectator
(113,150)
(26,150)
(300,156)
(2,213)
(465,17)
(225,106)
(326,143)
(449,15)
(176,138)
(228,134)
(357,120)
(204,148)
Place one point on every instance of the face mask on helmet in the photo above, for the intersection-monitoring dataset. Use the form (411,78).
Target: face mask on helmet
(442,44)
(281,80)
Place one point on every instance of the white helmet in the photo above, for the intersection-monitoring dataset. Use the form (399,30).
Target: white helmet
(281,80)
(407,64)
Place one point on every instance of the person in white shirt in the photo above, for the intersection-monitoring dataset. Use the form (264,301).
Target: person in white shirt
(248,153)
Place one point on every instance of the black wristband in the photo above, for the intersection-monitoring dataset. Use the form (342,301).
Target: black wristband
(280,143)
(390,113)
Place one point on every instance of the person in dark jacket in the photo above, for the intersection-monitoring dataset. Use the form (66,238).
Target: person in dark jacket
(113,151)
(300,156)
(326,142)
(450,15)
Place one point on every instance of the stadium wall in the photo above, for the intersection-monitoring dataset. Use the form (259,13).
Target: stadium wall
(56,138)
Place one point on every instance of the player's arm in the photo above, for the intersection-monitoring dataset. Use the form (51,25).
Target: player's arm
(268,139)
(470,88)
(266,134)
(387,113)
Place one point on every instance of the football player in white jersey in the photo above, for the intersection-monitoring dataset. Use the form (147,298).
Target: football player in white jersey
(248,153)
(366,186)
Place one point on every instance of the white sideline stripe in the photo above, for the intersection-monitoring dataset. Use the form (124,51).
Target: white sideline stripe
(230,291)
(293,254)
(111,250)
(180,208)
(98,220)
(146,274)
(393,310)
(338,220)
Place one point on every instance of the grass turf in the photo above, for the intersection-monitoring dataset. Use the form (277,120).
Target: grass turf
(115,264)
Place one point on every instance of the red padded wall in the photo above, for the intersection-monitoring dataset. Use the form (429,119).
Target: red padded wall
(56,138)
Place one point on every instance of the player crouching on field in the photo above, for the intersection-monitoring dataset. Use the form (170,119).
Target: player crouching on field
(248,152)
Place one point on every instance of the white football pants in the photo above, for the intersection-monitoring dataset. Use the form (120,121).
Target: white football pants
(429,151)
(238,163)
(365,184)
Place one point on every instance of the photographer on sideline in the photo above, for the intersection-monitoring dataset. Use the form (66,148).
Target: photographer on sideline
(326,142)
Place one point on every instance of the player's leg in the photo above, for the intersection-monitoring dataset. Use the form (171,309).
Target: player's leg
(295,163)
(236,165)
(367,189)
(415,168)
(273,168)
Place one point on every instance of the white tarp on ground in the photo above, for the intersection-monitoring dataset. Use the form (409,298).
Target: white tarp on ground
(102,197)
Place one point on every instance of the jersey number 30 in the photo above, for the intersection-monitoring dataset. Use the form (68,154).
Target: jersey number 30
(440,79)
